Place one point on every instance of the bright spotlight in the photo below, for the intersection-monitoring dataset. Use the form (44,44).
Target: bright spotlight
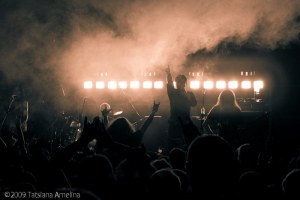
(232,84)
(208,85)
(158,84)
(147,84)
(134,84)
(220,84)
(112,85)
(87,84)
(246,84)
(100,85)
(195,84)
(258,85)
(122,84)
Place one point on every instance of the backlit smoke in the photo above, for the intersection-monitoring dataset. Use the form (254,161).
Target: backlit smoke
(54,44)
(153,34)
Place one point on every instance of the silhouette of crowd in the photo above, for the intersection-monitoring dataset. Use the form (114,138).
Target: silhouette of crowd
(109,161)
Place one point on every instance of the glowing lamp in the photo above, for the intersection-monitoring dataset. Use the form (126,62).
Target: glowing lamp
(246,84)
(158,84)
(134,84)
(220,84)
(87,84)
(258,85)
(122,84)
(208,85)
(147,84)
(100,85)
(112,85)
(195,84)
(232,84)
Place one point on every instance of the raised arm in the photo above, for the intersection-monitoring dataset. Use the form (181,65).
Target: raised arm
(87,135)
(150,118)
(169,77)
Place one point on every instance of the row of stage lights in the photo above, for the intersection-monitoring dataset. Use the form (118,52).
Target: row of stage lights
(193,84)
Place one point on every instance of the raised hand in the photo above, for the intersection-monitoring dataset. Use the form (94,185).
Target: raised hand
(150,118)
(155,107)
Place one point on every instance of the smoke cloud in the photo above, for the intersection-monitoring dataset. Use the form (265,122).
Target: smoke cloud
(52,44)
(151,34)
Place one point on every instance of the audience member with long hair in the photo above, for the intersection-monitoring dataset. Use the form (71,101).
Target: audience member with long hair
(224,118)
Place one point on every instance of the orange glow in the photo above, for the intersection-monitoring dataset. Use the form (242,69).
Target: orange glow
(233,84)
(100,85)
(134,84)
(246,84)
(195,84)
(158,84)
(220,84)
(87,84)
(147,84)
(112,85)
(208,85)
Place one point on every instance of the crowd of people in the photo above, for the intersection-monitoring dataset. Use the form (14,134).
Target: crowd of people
(108,160)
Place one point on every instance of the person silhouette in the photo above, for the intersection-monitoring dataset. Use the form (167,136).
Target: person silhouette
(181,102)
(123,131)
(224,118)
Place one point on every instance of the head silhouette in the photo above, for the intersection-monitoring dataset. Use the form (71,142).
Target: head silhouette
(227,99)
(290,185)
(180,81)
(121,130)
(211,166)
(164,184)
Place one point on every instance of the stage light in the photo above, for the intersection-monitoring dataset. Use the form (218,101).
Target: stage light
(87,84)
(122,84)
(257,85)
(147,84)
(134,84)
(246,84)
(100,85)
(195,84)
(208,85)
(112,85)
(232,84)
(220,84)
(158,84)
